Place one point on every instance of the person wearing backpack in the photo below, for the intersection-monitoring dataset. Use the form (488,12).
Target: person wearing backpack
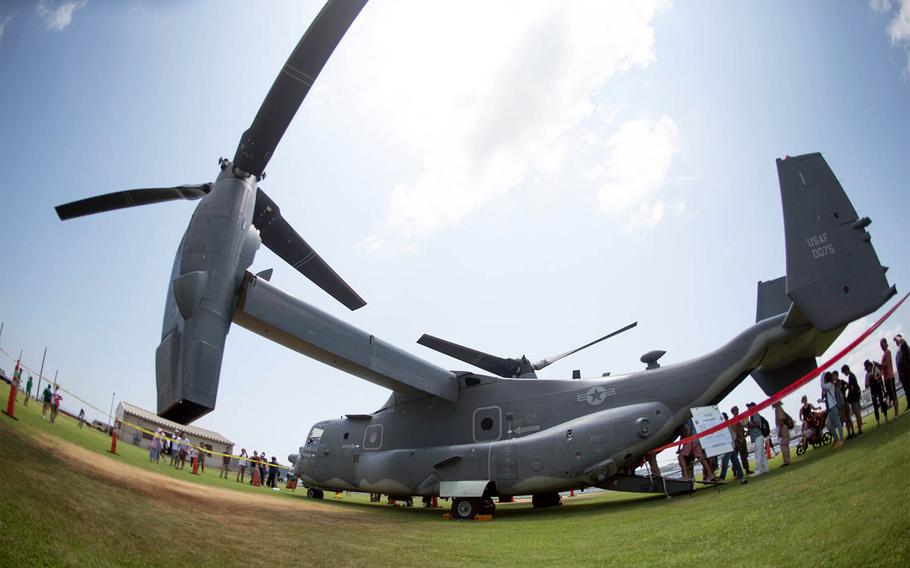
(784,422)
(759,429)
(832,394)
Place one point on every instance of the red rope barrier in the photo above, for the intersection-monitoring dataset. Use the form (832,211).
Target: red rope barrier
(788,389)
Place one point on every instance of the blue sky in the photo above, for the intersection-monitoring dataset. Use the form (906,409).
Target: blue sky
(518,177)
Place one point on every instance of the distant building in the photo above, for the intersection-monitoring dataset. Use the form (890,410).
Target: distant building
(212,441)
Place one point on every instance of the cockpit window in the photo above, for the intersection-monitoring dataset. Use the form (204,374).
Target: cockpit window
(312,441)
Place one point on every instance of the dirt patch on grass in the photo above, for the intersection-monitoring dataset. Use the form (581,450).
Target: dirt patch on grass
(169,491)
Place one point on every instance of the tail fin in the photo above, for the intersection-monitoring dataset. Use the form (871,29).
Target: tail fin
(833,273)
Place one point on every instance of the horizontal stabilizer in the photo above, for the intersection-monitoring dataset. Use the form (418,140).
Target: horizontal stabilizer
(276,315)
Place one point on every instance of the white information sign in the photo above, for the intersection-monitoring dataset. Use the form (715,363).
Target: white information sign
(718,443)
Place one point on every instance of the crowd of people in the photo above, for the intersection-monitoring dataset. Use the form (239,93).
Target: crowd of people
(50,396)
(181,450)
(841,397)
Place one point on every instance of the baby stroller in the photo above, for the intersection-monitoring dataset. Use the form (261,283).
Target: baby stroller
(815,434)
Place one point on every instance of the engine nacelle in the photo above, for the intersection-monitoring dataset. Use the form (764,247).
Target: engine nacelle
(217,248)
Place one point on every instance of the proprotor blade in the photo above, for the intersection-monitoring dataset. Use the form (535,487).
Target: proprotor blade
(130,198)
(491,363)
(293,83)
(278,235)
(549,360)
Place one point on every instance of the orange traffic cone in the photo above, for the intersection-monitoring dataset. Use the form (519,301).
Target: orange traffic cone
(11,403)
(113,449)
(195,465)
(257,482)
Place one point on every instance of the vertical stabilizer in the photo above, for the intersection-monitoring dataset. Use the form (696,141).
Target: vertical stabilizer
(833,273)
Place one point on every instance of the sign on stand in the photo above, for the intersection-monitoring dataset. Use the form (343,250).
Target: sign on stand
(718,443)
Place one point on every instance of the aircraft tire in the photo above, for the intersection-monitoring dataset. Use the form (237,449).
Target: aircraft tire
(543,500)
(465,508)
(314,493)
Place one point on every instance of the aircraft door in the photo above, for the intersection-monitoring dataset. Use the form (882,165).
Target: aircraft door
(487,424)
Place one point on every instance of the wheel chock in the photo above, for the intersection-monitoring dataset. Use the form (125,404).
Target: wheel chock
(483,518)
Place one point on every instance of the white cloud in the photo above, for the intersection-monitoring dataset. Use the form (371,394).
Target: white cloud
(3,21)
(638,159)
(371,243)
(899,30)
(648,215)
(880,6)
(899,27)
(485,94)
(58,14)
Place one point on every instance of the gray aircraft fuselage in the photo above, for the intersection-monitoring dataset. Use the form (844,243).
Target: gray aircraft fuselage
(529,436)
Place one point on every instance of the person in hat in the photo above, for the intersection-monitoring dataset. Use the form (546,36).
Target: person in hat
(784,422)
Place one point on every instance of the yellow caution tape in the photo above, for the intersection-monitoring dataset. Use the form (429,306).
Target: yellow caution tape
(136,426)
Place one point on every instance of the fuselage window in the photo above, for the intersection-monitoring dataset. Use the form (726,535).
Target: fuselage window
(372,438)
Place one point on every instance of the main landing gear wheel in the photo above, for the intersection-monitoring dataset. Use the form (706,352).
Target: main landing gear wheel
(470,507)
(542,500)
(314,493)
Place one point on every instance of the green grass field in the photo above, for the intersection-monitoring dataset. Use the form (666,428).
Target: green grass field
(831,507)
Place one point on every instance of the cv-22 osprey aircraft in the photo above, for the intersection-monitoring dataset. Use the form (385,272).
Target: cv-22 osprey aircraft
(460,434)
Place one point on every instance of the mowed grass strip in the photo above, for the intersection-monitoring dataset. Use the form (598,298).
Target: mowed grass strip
(831,507)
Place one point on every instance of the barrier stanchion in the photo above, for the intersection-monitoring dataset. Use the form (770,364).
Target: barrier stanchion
(113,449)
(11,403)
(195,465)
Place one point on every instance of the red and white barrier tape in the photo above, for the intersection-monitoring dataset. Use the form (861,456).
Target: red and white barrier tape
(788,389)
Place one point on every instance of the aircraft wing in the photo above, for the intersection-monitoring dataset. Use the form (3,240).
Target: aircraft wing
(276,315)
